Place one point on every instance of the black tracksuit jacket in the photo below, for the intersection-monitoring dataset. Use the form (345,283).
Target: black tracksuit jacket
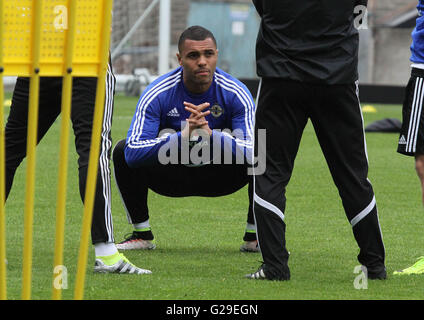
(294,44)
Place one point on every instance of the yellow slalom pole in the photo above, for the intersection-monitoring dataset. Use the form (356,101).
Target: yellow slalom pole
(3,290)
(3,294)
(31,155)
(94,152)
(64,147)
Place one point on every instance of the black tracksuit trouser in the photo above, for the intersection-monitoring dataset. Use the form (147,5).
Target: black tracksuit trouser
(82,112)
(175,180)
(283,109)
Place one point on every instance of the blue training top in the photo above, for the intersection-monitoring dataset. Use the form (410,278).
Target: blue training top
(417,47)
(161,107)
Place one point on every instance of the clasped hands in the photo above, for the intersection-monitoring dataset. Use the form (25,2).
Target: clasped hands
(196,120)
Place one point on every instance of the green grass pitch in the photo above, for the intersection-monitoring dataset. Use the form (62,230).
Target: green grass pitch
(198,239)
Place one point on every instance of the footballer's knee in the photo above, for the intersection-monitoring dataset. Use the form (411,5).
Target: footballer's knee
(118,151)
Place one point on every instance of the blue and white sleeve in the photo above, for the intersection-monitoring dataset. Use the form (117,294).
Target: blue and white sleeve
(240,140)
(143,139)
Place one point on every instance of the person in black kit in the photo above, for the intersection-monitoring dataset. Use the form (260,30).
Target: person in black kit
(307,59)
(108,259)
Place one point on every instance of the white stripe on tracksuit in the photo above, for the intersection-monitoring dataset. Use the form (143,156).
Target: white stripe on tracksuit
(279,213)
(163,85)
(249,106)
(415,116)
(372,204)
(106,144)
(134,140)
(249,109)
(254,179)
(256,198)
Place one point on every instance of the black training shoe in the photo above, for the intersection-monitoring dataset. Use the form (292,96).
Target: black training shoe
(380,275)
(136,241)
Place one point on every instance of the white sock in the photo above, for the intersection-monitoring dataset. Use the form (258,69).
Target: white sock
(250,226)
(142,225)
(103,249)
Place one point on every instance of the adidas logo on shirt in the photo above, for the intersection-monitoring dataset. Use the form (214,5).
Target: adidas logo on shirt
(402,140)
(173,113)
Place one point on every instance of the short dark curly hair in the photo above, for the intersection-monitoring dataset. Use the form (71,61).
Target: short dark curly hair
(197,33)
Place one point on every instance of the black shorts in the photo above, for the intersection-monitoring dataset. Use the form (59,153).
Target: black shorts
(411,138)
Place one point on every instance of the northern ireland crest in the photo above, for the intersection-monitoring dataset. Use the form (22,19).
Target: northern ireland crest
(216,110)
